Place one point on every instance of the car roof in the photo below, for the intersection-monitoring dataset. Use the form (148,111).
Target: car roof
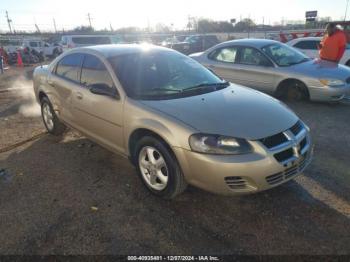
(251,42)
(120,49)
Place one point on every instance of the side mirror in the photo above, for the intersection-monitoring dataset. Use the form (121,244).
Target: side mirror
(103,90)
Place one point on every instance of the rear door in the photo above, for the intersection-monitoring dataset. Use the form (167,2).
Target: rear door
(255,70)
(98,116)
(223,62)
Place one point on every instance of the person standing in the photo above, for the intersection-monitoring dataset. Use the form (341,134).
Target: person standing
(333,44)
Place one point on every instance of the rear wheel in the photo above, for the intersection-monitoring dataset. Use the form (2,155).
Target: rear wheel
(52,123)
(158,168)
(347,63)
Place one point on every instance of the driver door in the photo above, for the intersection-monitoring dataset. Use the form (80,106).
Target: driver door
(256,70)
(98,116)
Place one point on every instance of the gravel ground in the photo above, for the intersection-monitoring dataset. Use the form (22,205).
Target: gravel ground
(70,196)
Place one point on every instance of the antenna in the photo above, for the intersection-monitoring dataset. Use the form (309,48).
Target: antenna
(9,21)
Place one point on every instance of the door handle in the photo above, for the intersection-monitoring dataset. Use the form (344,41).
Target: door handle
(79,96)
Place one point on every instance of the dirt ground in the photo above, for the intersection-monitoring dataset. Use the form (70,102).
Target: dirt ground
(70,196)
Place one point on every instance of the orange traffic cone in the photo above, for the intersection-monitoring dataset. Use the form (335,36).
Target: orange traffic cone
(19,59)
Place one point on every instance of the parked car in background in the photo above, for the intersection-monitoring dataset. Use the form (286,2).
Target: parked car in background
(11,45)
(72,41)
(44,48)
(174,119)
(195,43)
(310,46)
(278,69)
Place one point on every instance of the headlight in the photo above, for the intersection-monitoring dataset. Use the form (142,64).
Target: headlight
(219,145)
(332,82)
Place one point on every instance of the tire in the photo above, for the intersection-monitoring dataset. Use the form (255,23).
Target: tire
(53,125)
(171,172)
(347,63)
(56,53)
(294,91)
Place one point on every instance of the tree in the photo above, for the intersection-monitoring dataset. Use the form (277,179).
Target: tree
(245,25)
(209,26)
(83,29)
(162,28)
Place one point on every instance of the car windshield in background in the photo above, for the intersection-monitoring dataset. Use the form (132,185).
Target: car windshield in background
(284,55)
(91,40)
(163,75)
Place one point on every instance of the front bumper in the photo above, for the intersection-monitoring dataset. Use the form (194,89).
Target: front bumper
(242,174)
(327,93)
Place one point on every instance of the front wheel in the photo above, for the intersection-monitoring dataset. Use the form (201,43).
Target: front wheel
(294,91)
(53,125)
(158,168)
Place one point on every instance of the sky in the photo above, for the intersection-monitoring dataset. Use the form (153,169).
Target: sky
(142,13)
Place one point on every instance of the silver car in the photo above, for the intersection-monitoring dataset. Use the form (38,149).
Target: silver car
(175,120)
(278,69)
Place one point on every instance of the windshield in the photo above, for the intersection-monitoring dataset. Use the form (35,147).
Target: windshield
(284,55)
(154,75)
(191,39)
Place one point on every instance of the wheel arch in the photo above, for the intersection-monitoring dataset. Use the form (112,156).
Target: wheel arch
(41,95)
(285,82)
(141,132)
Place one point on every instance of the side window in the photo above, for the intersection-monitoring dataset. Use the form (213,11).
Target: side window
(95,72)
(33,44)
(251,56)
(64,40)
(309,45)
(227,54)
(69,67)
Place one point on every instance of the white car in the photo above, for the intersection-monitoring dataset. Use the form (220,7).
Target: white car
(309,46)
(50,50)
(73,41)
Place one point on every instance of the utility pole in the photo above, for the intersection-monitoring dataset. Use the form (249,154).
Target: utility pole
(9,21)
(110,26)
(54,25)
(89,18)
(37,28)
(346,9)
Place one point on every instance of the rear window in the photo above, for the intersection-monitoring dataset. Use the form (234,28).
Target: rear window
(91,40)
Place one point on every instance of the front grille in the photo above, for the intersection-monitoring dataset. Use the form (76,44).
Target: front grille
(286,154)
(288,172)
(302,145)
(296,128)
(236,182)
(274,140)
(287,146)
(275,179)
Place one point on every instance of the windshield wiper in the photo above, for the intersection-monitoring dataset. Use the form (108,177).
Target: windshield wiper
(299,62)
(203,86)
(166,89)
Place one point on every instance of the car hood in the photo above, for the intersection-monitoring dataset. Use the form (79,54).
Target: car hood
(322,69)
(234,111)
